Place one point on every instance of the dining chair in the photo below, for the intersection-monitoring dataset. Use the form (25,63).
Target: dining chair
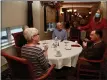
(19,39)
(18,50)
(22,69)
(94,71)
(19,42)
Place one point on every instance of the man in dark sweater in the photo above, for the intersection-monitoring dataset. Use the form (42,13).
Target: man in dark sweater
(96,50)
(93,49)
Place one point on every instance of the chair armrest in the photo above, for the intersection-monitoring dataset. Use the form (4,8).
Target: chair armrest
(47,73)
(94,61)
(13,57)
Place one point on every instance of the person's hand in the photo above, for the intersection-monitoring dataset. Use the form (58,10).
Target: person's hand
(46,47)
(45,50)
(45,53)
(84,44)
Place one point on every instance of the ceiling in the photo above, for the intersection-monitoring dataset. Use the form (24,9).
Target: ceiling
(81,7)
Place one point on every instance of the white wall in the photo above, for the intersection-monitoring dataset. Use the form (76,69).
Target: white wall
(14,13)
(36,7)
(38,20)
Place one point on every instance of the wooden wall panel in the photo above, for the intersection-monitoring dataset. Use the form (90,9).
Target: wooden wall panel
(50,14)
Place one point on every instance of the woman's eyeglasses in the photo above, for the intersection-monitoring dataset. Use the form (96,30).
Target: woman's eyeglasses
(36,34)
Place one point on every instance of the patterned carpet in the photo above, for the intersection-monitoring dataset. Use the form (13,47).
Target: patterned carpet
(63,74)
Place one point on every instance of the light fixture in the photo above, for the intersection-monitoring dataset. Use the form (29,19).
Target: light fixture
(62,12)
(90,12)
(80,16)
(75,13)
(69,10)
(75,10)
(87,16)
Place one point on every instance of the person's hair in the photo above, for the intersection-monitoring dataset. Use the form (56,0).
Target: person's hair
(99,32)
(101,12)
(29,33)
(24,27)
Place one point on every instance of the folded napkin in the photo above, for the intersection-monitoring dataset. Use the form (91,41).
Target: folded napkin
(68,47)
(75,45)
(58,54)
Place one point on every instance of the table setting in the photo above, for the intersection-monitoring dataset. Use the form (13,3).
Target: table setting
(62,53)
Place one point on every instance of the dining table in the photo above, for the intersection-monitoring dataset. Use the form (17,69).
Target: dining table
(62,53)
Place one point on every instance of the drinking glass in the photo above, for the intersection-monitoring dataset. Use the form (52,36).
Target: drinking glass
(66,42)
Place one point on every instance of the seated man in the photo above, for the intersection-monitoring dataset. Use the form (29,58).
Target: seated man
(97,49)
(59,32)
(34,54)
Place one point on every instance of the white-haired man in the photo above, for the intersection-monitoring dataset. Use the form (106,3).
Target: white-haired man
(59,32)
(34,54)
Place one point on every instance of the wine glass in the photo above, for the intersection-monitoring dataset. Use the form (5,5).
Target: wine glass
(66,42)
(44,43)
(56,44)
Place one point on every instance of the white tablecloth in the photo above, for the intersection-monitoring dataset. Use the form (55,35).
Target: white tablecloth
(69,57)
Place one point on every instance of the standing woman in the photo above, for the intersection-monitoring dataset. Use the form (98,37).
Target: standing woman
(97,22)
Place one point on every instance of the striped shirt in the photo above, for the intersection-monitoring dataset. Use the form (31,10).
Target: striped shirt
(36,57)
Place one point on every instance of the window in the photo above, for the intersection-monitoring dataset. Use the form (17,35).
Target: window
(3,35)
(51,26)
(6,36)
(16,29)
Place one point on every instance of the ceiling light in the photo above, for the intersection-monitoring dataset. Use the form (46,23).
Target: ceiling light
(75,10)
(90,12)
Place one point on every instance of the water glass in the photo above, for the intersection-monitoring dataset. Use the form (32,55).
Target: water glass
(66,42)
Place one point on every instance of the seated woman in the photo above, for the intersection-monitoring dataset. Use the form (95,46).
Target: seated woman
(34,54)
